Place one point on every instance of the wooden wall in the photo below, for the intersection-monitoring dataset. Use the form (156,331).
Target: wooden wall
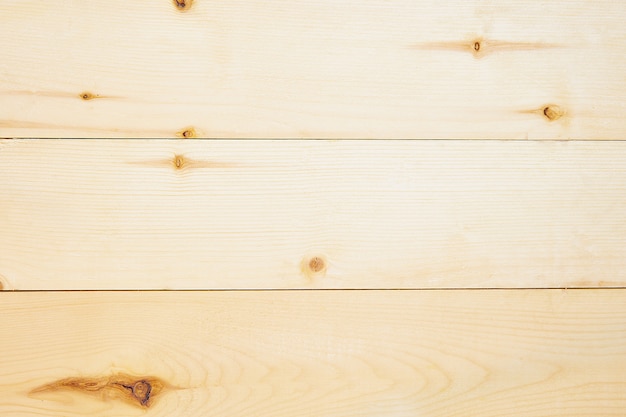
(321,208)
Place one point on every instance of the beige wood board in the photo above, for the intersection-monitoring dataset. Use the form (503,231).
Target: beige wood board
(170,214)
(317,69)
(517,353)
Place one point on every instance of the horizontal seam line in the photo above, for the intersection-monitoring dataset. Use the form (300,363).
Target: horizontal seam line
(318,289)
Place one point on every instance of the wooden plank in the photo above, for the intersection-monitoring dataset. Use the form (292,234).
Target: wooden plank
(138,214)
(315,69)
(521,353)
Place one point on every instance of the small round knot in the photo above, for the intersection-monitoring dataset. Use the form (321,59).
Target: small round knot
(4,284)
(476,46)
(87,96)
(553,112)
(183,5)
(316,264)
(187,133)
(179,161)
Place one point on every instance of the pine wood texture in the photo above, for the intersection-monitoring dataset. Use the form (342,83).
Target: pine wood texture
(169,214)
(369,278)
(530,69)
(496,353)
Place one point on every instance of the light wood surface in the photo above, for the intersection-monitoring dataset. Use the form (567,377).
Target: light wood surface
(350,278)
(496,353)
(141,214)
(316,69)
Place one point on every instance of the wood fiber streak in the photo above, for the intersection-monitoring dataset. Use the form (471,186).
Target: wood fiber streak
(317,69)
(519,353)
(136,214)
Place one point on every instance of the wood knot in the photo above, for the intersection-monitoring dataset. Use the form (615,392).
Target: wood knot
(4,285)
(477,47)
(183,5)
(141,391)
(187,133)
(553,112)
(314,266)
(179,161)
(87,96)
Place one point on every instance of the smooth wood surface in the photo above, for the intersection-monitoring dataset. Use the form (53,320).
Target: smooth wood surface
(443,278)
(141,214)
(515,353)
(316,69)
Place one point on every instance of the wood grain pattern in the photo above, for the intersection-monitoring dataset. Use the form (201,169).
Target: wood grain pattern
(317,69)
(138,214)
(517,353)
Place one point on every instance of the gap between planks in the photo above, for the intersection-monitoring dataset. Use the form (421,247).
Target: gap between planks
(191,290)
